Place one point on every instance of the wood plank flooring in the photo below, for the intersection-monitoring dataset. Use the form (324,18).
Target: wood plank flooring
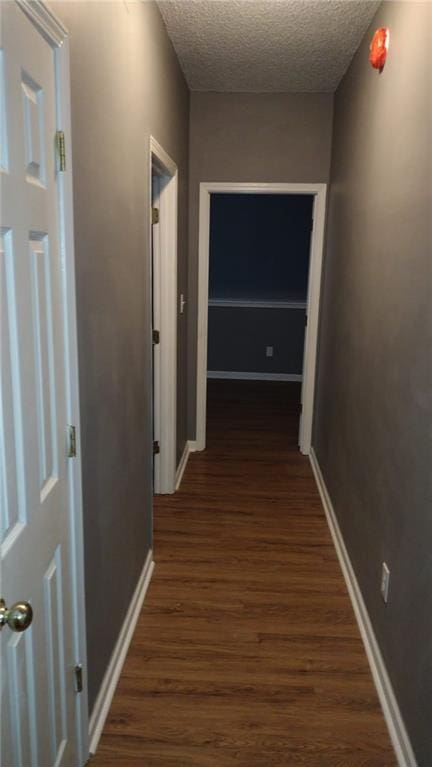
(246,653)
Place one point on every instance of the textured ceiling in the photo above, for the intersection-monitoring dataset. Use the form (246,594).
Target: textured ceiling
(266,45)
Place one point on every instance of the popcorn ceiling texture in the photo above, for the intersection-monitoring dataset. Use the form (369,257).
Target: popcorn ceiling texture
(266,45)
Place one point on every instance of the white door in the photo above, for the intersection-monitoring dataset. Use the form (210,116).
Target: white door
(156,319)
(37,665)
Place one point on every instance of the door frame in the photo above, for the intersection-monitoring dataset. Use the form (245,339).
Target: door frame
(57,36)
(319,192)
(165,393)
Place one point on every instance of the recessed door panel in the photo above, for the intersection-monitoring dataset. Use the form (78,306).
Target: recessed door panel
(10,459)
(54,656)
(21,698)
(34,129)
(43,350)
(4,164)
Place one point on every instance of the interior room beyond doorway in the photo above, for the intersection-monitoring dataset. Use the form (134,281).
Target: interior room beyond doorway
(232,344)
(259,258)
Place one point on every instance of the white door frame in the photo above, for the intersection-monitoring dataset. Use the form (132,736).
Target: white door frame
(314,288)
(57,36)
(165,393)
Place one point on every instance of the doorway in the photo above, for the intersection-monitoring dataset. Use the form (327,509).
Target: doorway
(163,247)
(318,193)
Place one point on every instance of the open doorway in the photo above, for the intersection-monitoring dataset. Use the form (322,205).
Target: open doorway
(163,174)
(234,295)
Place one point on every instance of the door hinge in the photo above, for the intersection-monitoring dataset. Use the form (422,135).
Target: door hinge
(156,447)
(78,677)
(155,216)
(71,442)
(61,150)
(156,336)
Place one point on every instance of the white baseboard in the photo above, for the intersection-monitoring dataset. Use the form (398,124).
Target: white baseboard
(189,447)
(241,376)
(393,717)
(112,674)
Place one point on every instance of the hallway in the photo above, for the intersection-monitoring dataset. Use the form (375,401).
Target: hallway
(247,652)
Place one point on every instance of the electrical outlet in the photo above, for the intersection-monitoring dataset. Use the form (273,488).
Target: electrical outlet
(385,582)
(269,351)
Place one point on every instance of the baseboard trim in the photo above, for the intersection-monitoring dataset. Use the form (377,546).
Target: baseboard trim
(392,714)
(112,674)
(188,448)
(243,376)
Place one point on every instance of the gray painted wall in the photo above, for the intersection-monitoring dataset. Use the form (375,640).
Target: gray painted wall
(126,84)
(237,339)
(258,137)
(373,429)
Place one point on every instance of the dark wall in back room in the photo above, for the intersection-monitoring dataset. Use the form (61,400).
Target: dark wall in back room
(259,255)
(238,339)
(259,245)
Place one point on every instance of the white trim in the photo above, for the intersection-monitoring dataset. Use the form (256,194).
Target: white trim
(190,447)
(183,463)
(165,396)
(166,164)
(56,35)
(115,666)
(312,312)
(310,349)
(392,714)
(48,25)
(239,375)
(253,187)
(202,318)
(239,303)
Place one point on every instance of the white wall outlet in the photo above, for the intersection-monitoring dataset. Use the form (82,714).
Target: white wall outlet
(269,351)
(385,582)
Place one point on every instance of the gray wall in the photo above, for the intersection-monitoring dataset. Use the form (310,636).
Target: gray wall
(373,429)
(237,339)
(126,84)
(250,137)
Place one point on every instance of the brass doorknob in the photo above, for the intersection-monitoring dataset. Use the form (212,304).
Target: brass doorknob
(18,617)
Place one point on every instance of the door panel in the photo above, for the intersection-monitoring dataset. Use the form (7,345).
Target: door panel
(9,456)
(54,621)
(38,691)
(3,129)
(43,352)
(22,704)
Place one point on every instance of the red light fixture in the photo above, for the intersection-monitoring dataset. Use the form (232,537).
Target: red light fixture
(379,47)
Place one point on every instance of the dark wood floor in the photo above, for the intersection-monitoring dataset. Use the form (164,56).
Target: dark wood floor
(247,653)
